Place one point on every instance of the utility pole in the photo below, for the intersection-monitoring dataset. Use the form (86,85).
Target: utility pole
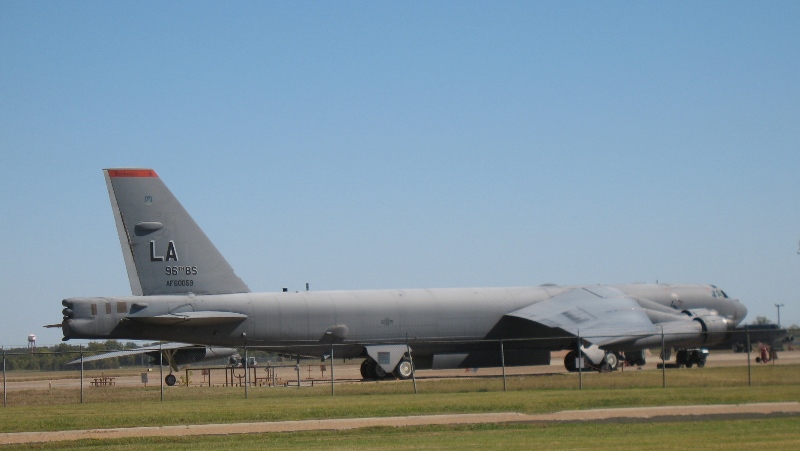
(779,313)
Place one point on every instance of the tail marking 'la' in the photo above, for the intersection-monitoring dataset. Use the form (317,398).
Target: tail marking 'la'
(165,251)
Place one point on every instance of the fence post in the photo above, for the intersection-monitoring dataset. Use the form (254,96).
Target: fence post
(413,369)
(246,371)
(297,368)
(4,377)
(580,363)
(81,349)
(749,375)
(663,361)
(161,367)
(503,363)
(331,369)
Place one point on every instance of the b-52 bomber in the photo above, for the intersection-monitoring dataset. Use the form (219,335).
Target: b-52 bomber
(185,291)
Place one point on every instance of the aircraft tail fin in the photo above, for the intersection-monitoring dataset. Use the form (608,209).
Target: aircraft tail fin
(164,249)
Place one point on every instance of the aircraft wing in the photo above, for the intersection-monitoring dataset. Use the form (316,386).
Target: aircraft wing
(137,351)
(599,315)
(190,318)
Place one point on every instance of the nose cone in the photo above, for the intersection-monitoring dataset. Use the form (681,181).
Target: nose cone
(739,311)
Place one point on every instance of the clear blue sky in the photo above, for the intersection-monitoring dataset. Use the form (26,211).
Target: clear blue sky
(359,145)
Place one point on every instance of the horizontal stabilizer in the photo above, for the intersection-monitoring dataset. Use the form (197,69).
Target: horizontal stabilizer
(174,354)
(137,351)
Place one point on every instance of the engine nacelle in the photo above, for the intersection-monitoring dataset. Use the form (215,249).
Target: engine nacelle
(716,329)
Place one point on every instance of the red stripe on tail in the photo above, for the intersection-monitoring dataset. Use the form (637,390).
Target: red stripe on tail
(132,173)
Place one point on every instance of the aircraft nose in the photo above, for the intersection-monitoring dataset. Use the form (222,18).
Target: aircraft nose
(739,312)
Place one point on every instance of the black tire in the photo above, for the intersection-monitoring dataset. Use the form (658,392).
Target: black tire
(369,369)
(380,373)
(404,369)
(365,374)
(170,380)
(681,358)
(569,361)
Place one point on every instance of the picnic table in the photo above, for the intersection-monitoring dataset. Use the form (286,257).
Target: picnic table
(103,381)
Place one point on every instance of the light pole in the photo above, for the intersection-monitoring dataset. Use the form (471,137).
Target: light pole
(778,306)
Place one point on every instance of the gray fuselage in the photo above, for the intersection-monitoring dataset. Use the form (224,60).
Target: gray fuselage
(292,322)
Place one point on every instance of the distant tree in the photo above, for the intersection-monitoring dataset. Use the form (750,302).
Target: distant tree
(761,320)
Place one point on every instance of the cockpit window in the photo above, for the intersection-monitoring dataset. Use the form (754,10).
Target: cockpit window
(719,294)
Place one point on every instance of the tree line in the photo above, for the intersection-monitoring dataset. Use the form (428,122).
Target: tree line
(57,358)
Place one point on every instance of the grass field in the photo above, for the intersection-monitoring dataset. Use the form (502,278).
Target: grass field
(282,405)
(34,390)
(773,434)
(109,407)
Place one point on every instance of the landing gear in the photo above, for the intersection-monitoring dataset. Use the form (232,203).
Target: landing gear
(380,373)
(367,370)
(170,379)
(608,362)
(569,361)
(404,369)
(691,357)
(635,358)
(370,370)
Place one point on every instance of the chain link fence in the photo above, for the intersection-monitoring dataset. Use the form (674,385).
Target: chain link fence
(66,374)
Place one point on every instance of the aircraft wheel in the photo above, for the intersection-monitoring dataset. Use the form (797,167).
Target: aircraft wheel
(612,360)
(365,373)
(404,369)
(701,363)
(569,361)
(681,358)
(368,370)
(380,373)
(170,380)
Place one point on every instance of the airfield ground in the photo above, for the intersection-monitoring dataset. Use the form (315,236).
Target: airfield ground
(448,402)
(349,372)
(624,415)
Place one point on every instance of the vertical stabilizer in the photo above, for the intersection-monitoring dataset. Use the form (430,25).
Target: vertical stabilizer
(165,251)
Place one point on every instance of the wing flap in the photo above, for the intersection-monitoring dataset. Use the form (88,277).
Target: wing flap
(599,315)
